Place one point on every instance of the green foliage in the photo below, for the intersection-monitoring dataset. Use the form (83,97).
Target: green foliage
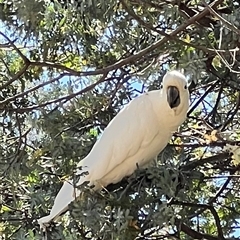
(67,68)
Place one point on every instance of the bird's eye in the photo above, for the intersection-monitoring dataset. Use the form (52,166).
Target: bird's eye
(185,87)
(161,86)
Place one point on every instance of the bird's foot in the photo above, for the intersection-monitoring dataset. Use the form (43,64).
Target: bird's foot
(133,223)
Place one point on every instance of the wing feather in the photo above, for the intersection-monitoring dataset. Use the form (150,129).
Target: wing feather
(137,119)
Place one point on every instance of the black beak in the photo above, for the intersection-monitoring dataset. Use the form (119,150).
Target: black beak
(173,96)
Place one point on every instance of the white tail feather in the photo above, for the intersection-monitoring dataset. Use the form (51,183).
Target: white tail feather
(64,197)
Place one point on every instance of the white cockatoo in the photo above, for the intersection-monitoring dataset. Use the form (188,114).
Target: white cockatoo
(138,133)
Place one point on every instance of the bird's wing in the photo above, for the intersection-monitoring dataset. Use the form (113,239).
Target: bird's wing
(134,127)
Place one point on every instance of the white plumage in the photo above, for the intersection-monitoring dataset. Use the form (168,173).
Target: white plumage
(138,133)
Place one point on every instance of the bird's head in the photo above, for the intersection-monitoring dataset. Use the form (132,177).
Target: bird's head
(175,89)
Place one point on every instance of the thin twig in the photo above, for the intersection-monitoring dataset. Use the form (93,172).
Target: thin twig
(210,88)
(223,127)
(64,98)
(34,88)
(223,20)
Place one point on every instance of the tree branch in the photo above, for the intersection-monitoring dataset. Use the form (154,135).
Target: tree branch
(64,98)
(7,100)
